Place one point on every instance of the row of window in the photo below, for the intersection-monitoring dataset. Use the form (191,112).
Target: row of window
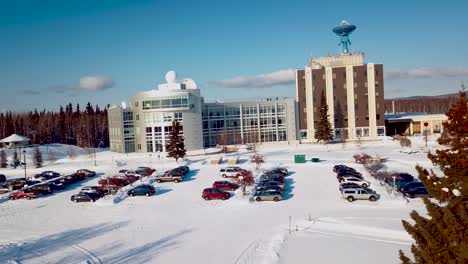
(168,102)
(158,117)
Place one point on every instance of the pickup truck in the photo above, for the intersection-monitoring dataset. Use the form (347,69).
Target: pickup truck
(360,194)
(172,175)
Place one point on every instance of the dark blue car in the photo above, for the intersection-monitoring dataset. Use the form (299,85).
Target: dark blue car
(145,189)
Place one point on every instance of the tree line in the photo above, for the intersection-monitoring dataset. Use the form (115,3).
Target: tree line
(70,125)
(430,105)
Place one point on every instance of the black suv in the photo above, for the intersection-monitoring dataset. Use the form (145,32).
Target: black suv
(42,189)
(144,189)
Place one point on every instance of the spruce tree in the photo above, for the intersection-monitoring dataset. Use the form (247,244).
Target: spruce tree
(442,237)
(3,159)
(175,148)
(37,157)
(324,131)
(15,158)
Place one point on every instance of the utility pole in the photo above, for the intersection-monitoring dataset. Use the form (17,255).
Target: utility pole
(24,156)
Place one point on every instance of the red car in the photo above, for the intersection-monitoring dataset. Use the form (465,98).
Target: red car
(22,195)
(213,193)
(225,185)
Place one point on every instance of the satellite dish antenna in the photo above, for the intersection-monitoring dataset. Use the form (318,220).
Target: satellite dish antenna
(171,77)
(190,84)
(344,30)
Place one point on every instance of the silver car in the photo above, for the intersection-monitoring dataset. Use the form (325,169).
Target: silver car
(360,194)
(268,196)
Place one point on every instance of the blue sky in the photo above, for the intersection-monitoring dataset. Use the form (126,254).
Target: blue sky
(121,47)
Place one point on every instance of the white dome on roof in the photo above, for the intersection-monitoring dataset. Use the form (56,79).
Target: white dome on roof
(189,83)
(171,77)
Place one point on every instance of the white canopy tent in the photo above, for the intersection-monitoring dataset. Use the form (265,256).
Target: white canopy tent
(14,140)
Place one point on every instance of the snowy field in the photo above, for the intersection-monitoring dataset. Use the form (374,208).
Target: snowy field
(177,226)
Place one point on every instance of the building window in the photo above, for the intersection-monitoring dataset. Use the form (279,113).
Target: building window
(367,117)
(139,146)
(137,117)
(136,104)
(334,76)
(377,116)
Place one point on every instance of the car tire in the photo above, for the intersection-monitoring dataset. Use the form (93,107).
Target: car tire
(276,199)
(350,199)
(76,201)
(258,199)
(29,198)
(158,181)
(176,180)
(206,198)
(223,198)
(147,194)
(364,185)
(372,199)
(224,175)
(131,194)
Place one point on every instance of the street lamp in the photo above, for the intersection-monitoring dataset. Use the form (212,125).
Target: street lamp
(24,158)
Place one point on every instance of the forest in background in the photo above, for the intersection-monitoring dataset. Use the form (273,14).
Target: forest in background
(439,104)
(86,127)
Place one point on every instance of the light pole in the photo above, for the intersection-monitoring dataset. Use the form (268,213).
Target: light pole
(24,157)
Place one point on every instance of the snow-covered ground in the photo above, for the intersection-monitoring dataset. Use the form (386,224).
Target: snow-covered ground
(178,226)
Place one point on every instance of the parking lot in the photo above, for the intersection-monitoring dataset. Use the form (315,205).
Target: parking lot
(176,219)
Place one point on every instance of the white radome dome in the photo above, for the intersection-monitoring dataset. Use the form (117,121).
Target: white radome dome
(171,77)
(189,83)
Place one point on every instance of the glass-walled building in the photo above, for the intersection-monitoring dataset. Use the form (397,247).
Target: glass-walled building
(248,122)
(145,125)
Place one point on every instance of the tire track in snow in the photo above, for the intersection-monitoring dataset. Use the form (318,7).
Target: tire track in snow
(89,255)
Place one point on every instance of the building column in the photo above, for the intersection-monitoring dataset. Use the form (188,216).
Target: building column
(258,121)
(329,94)
(309,104)
(276,121)
(350,102)
(371,100)
(241,124)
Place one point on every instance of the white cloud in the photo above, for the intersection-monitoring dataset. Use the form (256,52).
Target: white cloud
(420,73)
(95,83)
(86,83)
(263,80)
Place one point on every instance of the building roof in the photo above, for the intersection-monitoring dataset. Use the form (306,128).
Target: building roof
(14,138)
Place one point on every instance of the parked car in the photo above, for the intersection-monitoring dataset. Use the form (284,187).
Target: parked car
(4,189)
(214,193)
(2,178)
(269,185)
(30,182)
(275,181)
(15,184)
(93,189)
(337,168)
(268,196)
(80,176)
(41,189)
(84,197)
(23,195)
(399,179)
(17,164)
(172,175)
(272,174)
(225,185)
(339,178)
(122,171)
(144,189)
(89,173)
(418,192)
(361,182)
(348,173)
(282,171)
(232,172)
(56,185)
(360,194)
(145,171)
(185,169)
(39,178)
(132,173)
(269,188)
(349,185)
(50,174)
(411,185)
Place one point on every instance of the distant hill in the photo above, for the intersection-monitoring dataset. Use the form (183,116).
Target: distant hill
(437,104)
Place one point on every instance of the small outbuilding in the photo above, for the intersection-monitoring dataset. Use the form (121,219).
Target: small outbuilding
(14,141)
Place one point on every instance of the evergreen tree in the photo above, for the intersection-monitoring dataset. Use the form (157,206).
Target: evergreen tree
(324,131)
(3,159)
(442,237)
(15,157)
(37,157)
(175,147)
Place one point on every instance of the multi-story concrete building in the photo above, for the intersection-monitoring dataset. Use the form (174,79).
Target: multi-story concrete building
(144,126)
(354,94)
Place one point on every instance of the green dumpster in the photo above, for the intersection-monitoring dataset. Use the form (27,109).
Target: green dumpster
(315,159)
(299,158)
